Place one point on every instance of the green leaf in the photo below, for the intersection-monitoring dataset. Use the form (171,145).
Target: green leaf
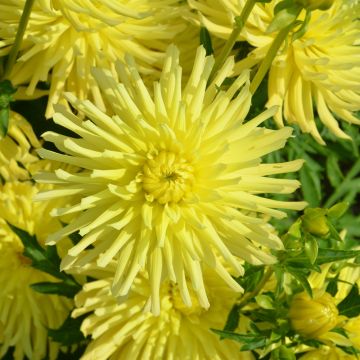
(330,255)
(255,344)
(253,275)
(350,306)
(333,171)
(59,288)
(44,259)
(338,210)
(4,121)
(69,332)
(251,341)
(233,318)
(301,276)
(205,41)
(311,186)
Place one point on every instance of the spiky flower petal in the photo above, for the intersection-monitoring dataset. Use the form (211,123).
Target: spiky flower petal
(16,149)
(163,179)
(126,331)
(25,315)
(320,70)
(65,38)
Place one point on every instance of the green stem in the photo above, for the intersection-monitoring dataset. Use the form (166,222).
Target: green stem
(238,26)
(18,39)
(266,63)
(337,194)
(249,296)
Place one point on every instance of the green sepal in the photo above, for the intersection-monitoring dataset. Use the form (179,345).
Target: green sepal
(284,18)
(283,353)
(303,28)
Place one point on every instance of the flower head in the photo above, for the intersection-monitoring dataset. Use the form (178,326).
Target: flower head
(126,331)
(15,149)
(320,70)
(313,317)
(25,315)
(65,38)
(170,181)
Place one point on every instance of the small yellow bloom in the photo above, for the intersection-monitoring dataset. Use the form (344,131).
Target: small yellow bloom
(25,315)
(313,317)
(126,330)
(327,353)
(164,178)
(319,71)
(64,39)
(16,149)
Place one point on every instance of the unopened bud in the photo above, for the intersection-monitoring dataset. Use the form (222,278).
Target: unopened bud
(313,317)
(315,222)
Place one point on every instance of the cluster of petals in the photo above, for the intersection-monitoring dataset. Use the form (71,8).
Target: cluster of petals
(65,38)
(16,149)
(169,183)
(26,315)
(318,71)
(126,330)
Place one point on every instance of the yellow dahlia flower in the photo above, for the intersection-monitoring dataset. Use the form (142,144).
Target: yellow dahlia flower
(25,315)
(65,38)
(126,330)
(321,70)
(164,179)
(15,149)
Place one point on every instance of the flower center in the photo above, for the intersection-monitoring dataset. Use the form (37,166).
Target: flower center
(167,177)
(178,303)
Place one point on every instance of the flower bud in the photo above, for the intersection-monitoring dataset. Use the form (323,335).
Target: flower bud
(317,4)
(313,317)
(315,222)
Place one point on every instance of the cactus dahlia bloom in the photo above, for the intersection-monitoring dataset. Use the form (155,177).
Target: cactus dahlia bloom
(321,70)
(125,331)
(163,179)
(15,149)
(65,38)
(25,315)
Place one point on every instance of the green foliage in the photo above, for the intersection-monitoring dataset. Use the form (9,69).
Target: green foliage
(205,41)
(306,249)
(283,353)
(6,92)
(46,260)
(69,332)
(350,306)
